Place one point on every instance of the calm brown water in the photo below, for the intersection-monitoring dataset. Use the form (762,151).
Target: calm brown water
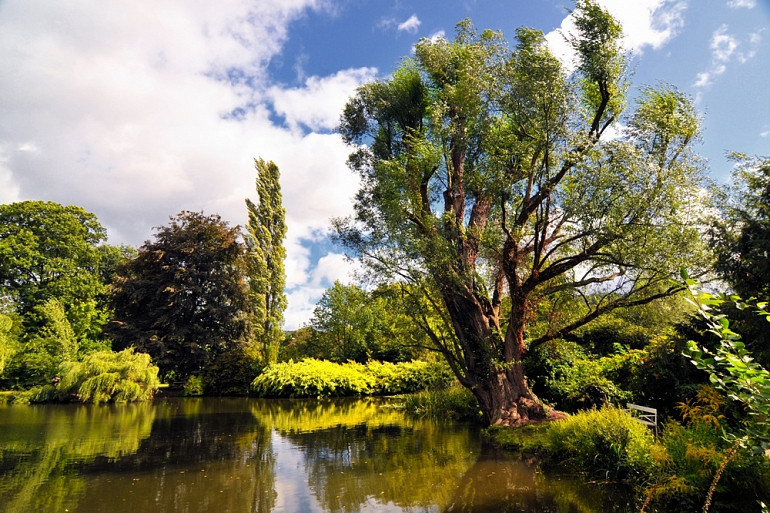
(250,455)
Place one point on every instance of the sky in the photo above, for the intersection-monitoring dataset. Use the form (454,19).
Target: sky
(136,111)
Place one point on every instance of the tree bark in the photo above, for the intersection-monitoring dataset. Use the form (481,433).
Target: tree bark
(492,365)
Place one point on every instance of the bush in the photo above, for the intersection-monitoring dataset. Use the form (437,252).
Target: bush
(454,402)
(103,376)
(689,456)
(606,443)
(570,379)
(406,377)
(193,386)
(230,373)
(322,378)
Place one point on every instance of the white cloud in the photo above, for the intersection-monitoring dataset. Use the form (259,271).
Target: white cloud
(136,114)
(411,25)
(441,34)
(645,23)
(725,48)
(736,4)
(302,298)
(301,106)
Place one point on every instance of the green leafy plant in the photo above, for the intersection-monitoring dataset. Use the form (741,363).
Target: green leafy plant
(322,378)
(102,376)
(193,386)
(733,371)
(607,443)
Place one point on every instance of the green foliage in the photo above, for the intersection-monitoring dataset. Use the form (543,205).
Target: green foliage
(183,299)
(37,360)
(231,373)
(690,454)
(741,237)
(9,343)
(732,369)
(606,443)
(453,402)
(486,184)
(531,439)
(350,323)
(571,379)
(103,376)
(193,386)
(660,375)
(321,378)
(266,231)
(49,251)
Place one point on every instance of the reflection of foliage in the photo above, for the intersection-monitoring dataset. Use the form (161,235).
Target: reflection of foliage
(321,378)
(71,436)
(503,484)
(317,415)
(209,455)
(357,452)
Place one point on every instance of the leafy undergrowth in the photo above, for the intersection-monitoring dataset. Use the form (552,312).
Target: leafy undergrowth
(322,378)
(454,402)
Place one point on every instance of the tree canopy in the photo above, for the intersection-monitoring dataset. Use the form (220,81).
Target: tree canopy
(50,251)
(183,299)
(489,179)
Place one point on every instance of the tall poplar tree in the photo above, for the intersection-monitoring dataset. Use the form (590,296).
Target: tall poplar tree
(267,276)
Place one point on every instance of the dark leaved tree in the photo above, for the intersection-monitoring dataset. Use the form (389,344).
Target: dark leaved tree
(183,299)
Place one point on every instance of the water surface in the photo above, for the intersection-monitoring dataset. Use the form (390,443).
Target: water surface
(253,455)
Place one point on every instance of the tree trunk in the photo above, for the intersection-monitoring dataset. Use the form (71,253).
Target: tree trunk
(492,367)
(504,395)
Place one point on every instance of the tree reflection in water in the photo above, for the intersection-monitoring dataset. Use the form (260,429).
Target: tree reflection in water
(249,455)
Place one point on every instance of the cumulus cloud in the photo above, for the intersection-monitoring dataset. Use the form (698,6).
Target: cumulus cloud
(411,25)
(301,106)
(136,114)
(646,23)
(725,48)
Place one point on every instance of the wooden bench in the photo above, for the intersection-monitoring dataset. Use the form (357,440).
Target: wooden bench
(645,415)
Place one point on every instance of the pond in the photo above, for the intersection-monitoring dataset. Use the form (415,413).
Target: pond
(253,455)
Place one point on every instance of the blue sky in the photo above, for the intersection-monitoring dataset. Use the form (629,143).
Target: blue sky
(137,112)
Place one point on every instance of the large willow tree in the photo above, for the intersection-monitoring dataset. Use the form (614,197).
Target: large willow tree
(489,180)
(266,231)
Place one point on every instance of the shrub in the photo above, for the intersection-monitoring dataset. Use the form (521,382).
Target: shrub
(606,443)
(193,386)
(454,402)
(322,378)
(571,379)
(406,377)
(104,376)
(230,373)
(690,454)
